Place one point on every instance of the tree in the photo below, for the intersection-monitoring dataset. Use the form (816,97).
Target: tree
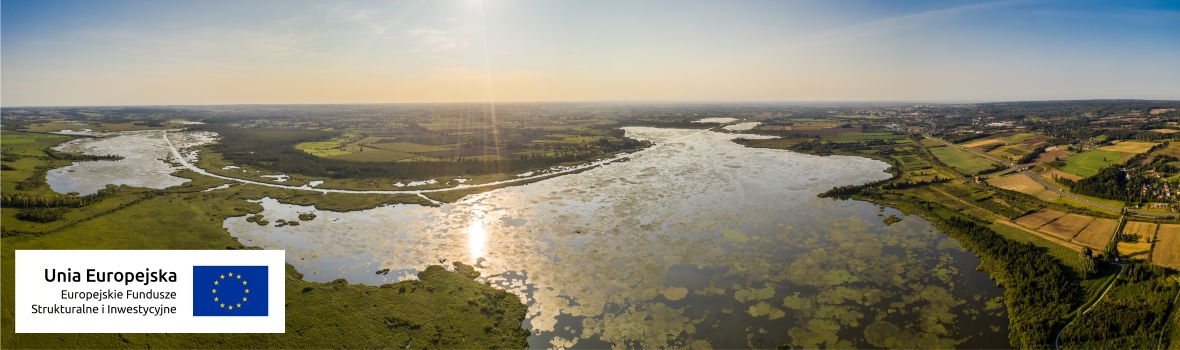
(1111,251)
(1086,263)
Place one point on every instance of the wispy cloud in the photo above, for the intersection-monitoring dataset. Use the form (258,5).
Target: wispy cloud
(887,26)
(434,40)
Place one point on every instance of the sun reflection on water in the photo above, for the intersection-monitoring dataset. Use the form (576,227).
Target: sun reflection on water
(477,235)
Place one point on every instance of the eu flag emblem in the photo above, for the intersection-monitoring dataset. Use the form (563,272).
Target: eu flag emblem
(229,291)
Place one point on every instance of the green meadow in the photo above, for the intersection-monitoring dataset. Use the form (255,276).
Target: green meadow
(443,309)
(961,161)
(1087,163)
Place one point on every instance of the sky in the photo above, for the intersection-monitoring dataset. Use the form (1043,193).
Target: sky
(103,53)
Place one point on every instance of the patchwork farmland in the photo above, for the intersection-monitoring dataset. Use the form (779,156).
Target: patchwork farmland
(1067,226)
(1039,218)
(1023,184)
(1073,228)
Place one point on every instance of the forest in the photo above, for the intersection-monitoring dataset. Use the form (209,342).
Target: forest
(1134,316)
(1038,292)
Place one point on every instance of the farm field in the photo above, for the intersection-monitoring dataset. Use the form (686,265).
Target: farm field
(1014,138)
(930,143)
(927,174)
(1051,154)
(861,136)
(322,148)
(1142,229)
(1133,147)
(961,161)
(1052,173)
(1097,234)
(1039,218)
(1173,149)
(1136,250)
(1012,152)
(1086,164)
(1067,226)
(1165,131)
(912,162)
(1145,233)
(1167,246)
(857,116)
(407,147)
(103,127)
(27,143)
(1023,184)
(982,143)
(376,155)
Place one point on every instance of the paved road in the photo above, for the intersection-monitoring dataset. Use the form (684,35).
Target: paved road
(1048,185)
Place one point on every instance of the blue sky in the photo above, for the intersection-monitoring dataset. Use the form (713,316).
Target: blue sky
(223,52)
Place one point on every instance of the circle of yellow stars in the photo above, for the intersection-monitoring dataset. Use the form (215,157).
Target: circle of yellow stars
(218,282)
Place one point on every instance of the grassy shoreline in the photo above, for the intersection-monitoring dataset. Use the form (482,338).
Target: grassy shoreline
(1043,312)
(443,309)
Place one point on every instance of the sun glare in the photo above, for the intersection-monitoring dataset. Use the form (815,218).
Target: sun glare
(477,235)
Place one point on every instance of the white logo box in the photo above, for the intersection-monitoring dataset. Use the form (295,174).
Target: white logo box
(33,289)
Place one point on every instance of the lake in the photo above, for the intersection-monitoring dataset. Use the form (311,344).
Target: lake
(698,243)
(141,166)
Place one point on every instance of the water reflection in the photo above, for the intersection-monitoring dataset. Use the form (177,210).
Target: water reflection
(140,166)
(477,236)
(700,243)
(143,164)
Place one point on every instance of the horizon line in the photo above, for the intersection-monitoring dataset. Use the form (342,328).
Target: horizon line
(942,102)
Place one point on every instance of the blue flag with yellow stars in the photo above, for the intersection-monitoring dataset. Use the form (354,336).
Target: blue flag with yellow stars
(229,291)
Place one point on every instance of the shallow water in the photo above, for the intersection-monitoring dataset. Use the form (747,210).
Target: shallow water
(142,165)
(699,243)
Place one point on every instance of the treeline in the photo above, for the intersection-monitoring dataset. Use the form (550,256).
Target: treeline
(1031,156)
(274,149)
(37,179)
(79,157)
(1132,318)
(47,213)
(1038,292)
(826,147)
(995,167)
(1140,135)
(898,185)
(960,138)
(683,123)
(845,192)
(23,201)
(41,215)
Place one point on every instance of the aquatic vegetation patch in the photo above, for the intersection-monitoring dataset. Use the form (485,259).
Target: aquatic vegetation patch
(593,253)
